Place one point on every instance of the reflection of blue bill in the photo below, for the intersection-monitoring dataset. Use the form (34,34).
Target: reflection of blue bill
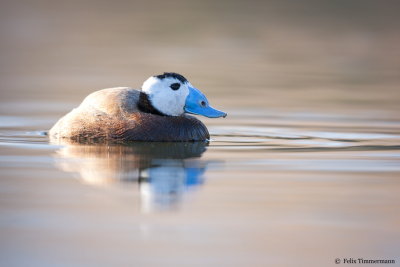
(166,178)
(194,176)
(165,186)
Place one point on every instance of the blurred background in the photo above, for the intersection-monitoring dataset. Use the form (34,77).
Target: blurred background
(308,55)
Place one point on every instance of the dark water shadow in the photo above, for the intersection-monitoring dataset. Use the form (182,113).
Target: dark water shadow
(165,172)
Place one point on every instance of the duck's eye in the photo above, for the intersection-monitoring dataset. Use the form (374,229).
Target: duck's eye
(175,86)
(203,103)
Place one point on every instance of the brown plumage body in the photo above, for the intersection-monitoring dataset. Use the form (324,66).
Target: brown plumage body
(113,115)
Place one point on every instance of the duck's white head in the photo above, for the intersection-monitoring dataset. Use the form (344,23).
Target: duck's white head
(172,94)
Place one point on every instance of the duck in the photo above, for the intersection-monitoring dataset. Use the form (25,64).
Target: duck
(159,112)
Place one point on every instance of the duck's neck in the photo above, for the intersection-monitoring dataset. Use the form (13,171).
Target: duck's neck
(145,105)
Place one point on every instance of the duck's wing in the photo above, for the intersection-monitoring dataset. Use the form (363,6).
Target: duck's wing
(117,101)
(97,113)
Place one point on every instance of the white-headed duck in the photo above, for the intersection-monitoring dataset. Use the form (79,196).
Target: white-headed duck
(156,113)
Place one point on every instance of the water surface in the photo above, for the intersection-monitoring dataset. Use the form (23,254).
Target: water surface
(312,186)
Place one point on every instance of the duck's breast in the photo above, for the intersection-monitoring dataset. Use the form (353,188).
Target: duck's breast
(149,127)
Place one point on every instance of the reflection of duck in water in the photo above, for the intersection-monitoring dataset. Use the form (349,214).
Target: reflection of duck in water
(164,171)
(156,113)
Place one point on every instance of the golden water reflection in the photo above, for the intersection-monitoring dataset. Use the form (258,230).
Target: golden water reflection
(163,171)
